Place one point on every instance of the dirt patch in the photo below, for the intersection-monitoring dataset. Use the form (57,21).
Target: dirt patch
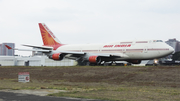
(148,76)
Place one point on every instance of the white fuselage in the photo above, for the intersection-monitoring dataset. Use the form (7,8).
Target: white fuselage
(142,50)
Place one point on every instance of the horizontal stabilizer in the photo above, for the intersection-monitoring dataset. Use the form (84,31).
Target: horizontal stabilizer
(40,47)
(37,50)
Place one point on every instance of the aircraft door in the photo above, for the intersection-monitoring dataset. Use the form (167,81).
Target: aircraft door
(124,50)
(145,49)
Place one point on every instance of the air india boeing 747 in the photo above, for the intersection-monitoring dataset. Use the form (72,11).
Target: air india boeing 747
(130,51)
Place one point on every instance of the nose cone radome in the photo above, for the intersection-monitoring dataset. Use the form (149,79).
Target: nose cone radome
(171,50)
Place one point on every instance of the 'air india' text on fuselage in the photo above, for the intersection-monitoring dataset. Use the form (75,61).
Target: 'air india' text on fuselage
(109,46)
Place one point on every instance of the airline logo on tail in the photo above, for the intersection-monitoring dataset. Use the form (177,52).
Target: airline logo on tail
(48,37)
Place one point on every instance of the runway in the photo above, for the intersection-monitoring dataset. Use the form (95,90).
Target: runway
(9,96)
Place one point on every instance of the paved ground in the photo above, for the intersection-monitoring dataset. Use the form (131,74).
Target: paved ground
(38,92)
(10,96)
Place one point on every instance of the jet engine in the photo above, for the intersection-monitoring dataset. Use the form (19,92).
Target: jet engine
(134,61)
(57,56)
(94,59)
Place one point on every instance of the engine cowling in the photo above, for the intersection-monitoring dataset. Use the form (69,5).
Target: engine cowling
(94,59)
(57,56)
(134,61)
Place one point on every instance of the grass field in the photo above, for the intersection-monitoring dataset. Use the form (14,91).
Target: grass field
(114,83)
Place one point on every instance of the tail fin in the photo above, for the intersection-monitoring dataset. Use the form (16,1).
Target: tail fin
(49,39)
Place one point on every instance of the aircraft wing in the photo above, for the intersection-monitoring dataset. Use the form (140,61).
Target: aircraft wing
(120,55)
(77,54)
(38,50)
(44,49)
(40,47)
(72,52)
(47,49)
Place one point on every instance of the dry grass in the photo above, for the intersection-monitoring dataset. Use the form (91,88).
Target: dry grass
(106,83)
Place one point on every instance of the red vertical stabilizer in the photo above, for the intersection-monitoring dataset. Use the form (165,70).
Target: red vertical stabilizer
(49,39)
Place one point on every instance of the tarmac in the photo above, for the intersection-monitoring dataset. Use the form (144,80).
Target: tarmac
(35,95)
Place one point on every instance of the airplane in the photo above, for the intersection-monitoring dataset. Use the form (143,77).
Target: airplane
(95,54)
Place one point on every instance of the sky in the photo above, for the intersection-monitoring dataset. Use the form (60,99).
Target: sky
(88,21)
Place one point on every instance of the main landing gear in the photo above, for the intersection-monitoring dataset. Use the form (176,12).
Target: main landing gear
(103,63)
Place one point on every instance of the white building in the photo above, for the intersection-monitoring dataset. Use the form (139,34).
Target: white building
(34,61)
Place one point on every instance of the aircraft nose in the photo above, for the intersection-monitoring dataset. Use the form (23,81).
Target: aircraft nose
(171,50)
